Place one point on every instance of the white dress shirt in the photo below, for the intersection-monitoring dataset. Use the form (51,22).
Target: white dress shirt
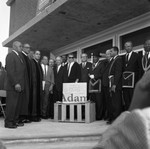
(71,64)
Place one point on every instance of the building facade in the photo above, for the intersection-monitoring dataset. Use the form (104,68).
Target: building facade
(60,27)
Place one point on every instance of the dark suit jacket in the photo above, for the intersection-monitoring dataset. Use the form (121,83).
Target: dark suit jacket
(75,72)
(34,98)
(141,61)
(28,69)
(60,78)
(133,65)
(85,72)
(105,80)
(26,94)
(98,70)
(39,78)
(116,70)
(15,71)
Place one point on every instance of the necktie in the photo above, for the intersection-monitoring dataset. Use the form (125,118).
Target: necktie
(68,66)
(127,57)
(146,59)
(146,56)
(45,70)
(83,65)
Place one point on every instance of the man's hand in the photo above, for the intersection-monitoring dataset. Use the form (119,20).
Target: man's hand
(92,76)
(18,87)
(113,88)
(77,80)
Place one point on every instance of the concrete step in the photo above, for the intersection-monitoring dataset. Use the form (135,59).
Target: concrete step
(60,142)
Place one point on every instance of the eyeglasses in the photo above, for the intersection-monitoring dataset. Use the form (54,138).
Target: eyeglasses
(71,57)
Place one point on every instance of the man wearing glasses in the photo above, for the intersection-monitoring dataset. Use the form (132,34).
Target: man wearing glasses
(86,68)
(73,70)
(25,109)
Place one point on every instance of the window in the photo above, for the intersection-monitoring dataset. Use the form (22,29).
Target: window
(138,37)
(100,47)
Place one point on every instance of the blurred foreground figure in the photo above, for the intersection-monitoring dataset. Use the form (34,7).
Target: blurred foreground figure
(141,96)
(131,129)
(2,145)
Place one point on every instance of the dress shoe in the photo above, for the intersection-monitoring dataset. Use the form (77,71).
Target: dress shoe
(44,117)
(26,121)
(109,121)
(36,119)
(20,124)
(11,126)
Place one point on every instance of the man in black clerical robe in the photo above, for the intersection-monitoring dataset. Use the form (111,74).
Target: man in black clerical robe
(35,106)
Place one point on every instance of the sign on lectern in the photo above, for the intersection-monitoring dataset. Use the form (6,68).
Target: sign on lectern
(74,92)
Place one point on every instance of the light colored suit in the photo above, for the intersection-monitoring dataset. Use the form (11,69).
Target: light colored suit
(49,83)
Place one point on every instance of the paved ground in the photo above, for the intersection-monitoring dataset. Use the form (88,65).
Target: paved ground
(49,134)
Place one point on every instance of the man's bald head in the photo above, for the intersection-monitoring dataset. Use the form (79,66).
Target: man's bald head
(17,46)
(147,45)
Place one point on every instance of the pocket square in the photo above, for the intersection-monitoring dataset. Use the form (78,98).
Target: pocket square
(128,79)
(94,86)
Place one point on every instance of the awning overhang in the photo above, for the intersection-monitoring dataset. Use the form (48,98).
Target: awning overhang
(68,21)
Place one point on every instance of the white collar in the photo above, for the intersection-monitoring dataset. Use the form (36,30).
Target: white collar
(35,60)
(129,54)
(71,64)
(145,52)
(43,65)
(96,63)
(58,66)
(16,52)
(24,53)
(115,57)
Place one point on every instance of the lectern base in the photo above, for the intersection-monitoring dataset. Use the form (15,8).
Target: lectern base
(74,112)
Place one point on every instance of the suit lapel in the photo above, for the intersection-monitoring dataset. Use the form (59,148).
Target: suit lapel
(57,71)
(131,57)
(17,54)
(148,63)
(96,66)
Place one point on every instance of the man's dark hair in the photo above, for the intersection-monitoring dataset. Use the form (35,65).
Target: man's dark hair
(37,51)
(116,49)
(129,42)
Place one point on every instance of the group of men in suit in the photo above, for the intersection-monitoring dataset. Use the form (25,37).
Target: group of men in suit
(24,86)
(31,84)
(120,77)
